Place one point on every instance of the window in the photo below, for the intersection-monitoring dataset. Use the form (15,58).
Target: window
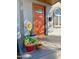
(57,18)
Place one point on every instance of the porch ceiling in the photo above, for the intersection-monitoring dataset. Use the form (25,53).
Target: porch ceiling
(50,2)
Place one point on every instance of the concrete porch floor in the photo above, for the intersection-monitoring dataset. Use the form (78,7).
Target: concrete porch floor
(51,49)
(54,42)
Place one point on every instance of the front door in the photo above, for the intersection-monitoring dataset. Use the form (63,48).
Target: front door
(39,19)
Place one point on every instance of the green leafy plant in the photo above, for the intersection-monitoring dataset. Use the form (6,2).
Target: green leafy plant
(30,40)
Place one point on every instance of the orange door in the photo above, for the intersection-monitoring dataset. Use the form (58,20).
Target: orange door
(39,17)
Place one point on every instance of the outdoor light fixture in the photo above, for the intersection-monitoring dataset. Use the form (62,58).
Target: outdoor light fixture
(50,18)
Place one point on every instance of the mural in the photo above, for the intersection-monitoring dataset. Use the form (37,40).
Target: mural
(38,16)
(25,30)
(18,31)
(18,28)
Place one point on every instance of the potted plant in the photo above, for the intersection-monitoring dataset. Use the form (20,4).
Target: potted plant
(32,43)
(38,45)
(29,45)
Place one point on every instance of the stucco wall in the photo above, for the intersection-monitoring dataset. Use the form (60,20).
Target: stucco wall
(51,30)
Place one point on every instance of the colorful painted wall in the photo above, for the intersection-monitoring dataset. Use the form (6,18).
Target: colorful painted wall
(18,21)
(27,9)
(27,14)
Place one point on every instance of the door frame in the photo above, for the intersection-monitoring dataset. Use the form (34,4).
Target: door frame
(44,17)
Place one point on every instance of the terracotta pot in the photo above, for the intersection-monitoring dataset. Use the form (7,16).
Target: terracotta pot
(38,46)
(29,48)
